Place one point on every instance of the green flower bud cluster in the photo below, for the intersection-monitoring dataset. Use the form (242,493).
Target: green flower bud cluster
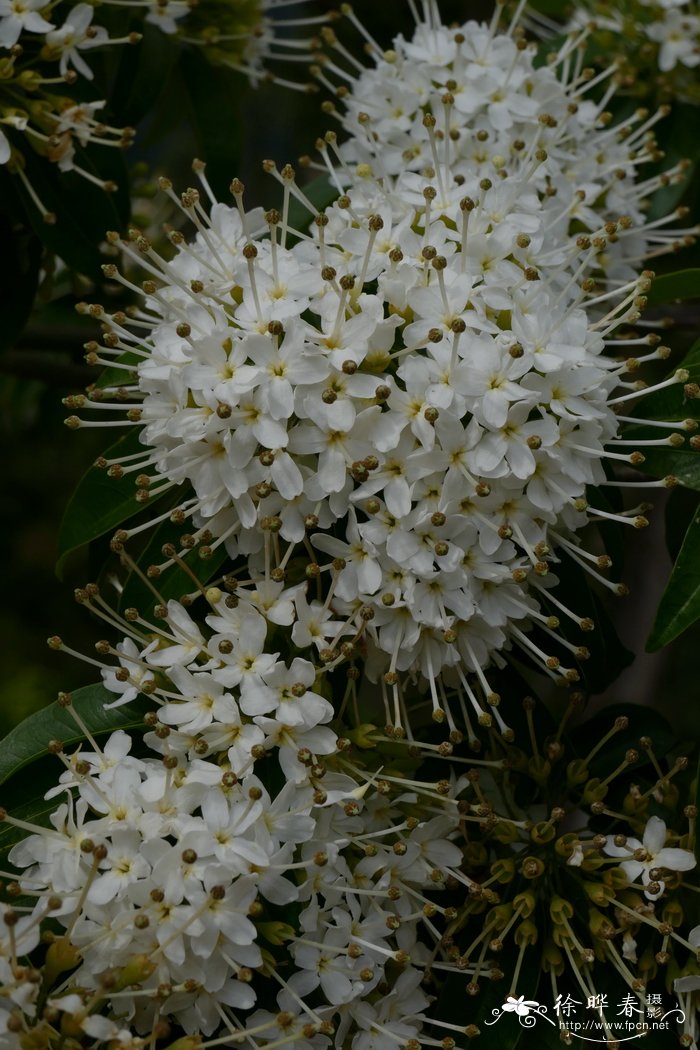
(654,46)
(599,887)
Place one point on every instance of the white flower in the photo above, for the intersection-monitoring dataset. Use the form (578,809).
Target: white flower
(165,14)
(678,35)
(643,858)
(20,123)
(18,16)
(76,34)
(519,1006)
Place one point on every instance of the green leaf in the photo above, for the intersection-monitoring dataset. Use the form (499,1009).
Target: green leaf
(677,138)
(669,287)
(115,376)
(100,504)
(680,603)
(143,74)
(671,402)
(28,741)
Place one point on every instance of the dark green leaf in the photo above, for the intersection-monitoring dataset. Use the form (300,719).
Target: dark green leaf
(112,376)
(671,404)
(682,505)
(99,504)
(175,581)
(19,274)
(680,603)
(642,721)
(28,741)
(455,1006)
(684,284)
(214,94)
(84,211)
(678,138)
(683,464)
(143,74)
(612,533)
(608,655)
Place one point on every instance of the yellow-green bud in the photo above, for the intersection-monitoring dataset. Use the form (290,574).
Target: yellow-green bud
(186,1042)
(71,1025)
(564,846)
(617,878)
(592,861)
(60,957)
(276,932)
(577,772)
(673,913)
(539,769)
(362,735)
(475,855)
(503,870)
(532,868)
(500,915)
(552,958)
(542,833)
(594,791)
(526,933)
(138,969)
(560,909)
(599,893)
(525,903)
(600,925)
(505,833)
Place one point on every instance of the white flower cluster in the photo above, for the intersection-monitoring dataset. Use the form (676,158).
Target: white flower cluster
(173,871)
(672,25)
(474,104)
(56,129)
(417,389)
